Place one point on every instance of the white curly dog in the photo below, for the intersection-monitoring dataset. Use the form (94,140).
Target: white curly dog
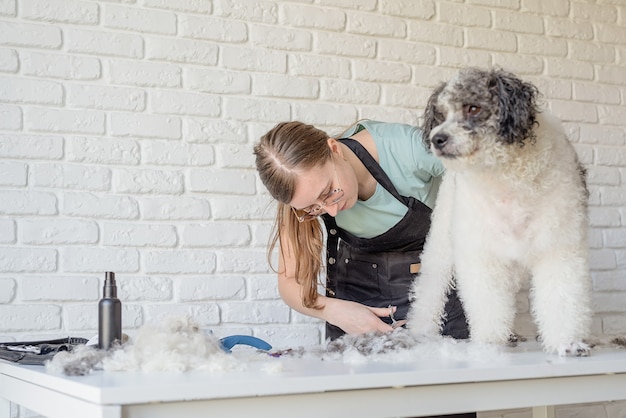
(512,207)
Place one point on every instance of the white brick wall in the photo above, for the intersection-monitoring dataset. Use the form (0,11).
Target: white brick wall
(126,131)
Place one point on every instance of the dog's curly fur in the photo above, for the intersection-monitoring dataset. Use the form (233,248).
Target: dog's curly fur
(512,206)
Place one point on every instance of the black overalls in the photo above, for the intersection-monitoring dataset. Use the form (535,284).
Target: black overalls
(378,271)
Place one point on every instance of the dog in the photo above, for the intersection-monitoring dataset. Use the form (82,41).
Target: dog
(512,207)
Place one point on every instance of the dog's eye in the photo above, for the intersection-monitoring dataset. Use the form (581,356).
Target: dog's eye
(471,110)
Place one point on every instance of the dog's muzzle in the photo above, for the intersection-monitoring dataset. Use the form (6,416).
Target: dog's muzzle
(440,140)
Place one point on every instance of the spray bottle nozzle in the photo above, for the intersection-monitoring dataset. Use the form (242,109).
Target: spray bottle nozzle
(109,278)
(109,288)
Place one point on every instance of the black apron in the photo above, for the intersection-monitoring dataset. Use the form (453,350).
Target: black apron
(377,271)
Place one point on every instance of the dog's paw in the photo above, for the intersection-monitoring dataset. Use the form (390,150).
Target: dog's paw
(514,338)
(577,349)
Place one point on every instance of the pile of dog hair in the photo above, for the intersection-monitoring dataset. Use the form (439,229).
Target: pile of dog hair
(176,344)
(179,345)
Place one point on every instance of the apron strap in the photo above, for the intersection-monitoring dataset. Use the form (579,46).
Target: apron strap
(334,232)
(374,168)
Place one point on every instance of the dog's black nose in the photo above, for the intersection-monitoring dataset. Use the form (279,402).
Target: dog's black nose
(440,140)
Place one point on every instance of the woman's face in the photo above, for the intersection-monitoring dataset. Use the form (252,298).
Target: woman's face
(328,188)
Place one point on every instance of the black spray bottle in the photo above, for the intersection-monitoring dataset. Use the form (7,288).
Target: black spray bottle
(109,314)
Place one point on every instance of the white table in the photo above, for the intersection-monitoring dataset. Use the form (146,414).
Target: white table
(312,388)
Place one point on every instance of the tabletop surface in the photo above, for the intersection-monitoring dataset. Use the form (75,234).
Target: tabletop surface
(263,376)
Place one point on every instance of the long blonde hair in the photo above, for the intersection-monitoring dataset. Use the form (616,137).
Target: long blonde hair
(281,155)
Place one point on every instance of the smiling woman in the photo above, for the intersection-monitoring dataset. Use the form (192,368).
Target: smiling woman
(375,228)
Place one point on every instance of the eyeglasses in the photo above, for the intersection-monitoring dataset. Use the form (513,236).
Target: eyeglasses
(332,198)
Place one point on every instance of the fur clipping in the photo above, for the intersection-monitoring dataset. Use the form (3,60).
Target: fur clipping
(79,362)
(401,345)
(176,344)
(179,345)
(373,343)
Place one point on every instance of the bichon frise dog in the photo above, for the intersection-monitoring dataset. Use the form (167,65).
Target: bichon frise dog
(512,206)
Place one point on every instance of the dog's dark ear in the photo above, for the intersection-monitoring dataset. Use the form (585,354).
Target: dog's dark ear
(518,106)
(582,172)
(431,116)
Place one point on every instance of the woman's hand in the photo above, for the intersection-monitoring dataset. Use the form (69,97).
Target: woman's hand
(355,318)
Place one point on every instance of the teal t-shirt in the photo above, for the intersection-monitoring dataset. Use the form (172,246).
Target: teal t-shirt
(412,169)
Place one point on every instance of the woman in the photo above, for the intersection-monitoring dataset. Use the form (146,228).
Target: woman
(374,190)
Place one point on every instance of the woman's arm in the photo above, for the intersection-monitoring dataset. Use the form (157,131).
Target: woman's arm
(351,317)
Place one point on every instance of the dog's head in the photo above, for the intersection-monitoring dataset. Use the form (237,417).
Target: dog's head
(479,109)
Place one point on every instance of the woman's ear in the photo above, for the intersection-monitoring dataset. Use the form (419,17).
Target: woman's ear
(335,147)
